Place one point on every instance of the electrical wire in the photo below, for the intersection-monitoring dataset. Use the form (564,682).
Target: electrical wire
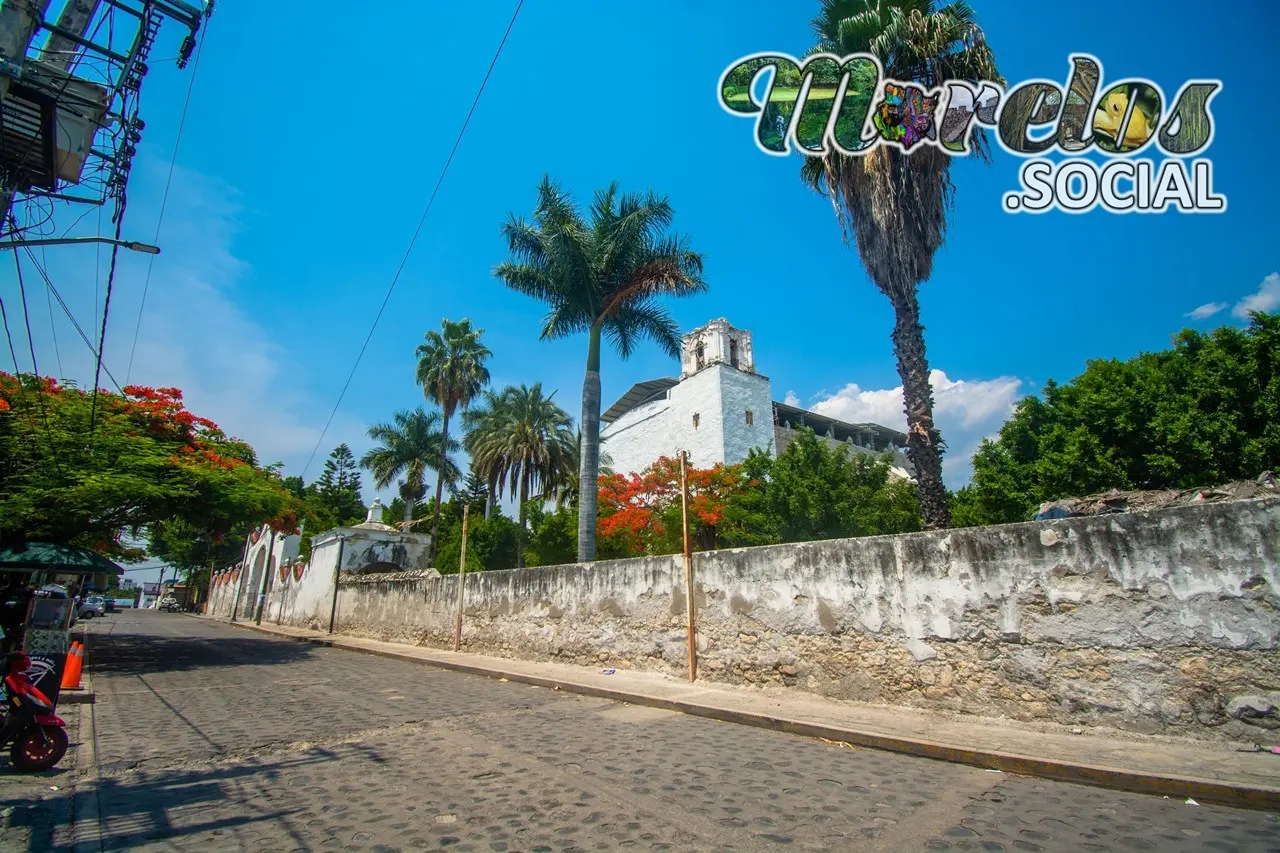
(53,332)
(4,315)
(106,311)
(414,239)
(66,309)
(164,201)
(55,455)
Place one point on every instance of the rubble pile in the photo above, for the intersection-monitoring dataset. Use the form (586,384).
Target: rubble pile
(1114,501)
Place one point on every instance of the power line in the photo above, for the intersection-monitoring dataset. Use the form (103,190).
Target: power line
(414,239)
(35,368)
(66,309)
(106,311)
(4,315)
(53,328)
(164,201)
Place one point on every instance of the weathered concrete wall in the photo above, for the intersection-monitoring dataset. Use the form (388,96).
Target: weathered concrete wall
(362,551)
(740,393)
(268,553)
(1158,622)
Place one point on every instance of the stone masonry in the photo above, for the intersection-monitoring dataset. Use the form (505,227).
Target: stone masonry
(1160,622)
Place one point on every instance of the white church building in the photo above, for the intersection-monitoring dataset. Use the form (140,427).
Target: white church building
(719,409)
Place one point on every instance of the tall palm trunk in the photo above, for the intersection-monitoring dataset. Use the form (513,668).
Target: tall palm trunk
(409,504)
(444,463)
(589,469)
(524,496)
(923,441)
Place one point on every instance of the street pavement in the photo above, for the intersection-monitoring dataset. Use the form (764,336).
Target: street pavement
(210,737)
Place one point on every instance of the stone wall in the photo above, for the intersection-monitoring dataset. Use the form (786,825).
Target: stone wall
(1150,622)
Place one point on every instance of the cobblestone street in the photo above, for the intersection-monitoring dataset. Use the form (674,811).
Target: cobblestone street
(215,738)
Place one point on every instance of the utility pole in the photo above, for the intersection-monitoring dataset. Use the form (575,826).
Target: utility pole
(688,567)
(20,20)
(60,50)
(267,569)
(337,572)
(242,578)
(462,576)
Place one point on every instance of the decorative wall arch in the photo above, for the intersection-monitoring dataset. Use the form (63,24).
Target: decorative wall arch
(299,568)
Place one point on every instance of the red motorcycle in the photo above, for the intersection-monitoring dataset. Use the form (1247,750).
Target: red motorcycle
(37,734)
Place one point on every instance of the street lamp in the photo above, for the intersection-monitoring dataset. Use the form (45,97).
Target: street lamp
(71,241)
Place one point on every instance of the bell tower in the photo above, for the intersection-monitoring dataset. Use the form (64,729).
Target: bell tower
(716,343)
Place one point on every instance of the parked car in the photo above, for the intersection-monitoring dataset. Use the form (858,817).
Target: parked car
(93,606)
(170,604)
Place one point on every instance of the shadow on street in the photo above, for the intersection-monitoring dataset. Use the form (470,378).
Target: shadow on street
(143,654)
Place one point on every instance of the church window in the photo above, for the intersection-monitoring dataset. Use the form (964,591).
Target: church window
(750,417)
(733,353)
(699,355)
(695,420)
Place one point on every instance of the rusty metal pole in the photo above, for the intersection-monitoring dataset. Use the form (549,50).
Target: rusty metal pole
(688,567)
(462,576)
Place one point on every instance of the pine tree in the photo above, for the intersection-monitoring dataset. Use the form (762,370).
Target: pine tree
(338,487)
(475,491)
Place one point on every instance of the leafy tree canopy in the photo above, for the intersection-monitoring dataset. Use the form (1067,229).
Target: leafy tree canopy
(146,461)
(1206,411)
(811,491)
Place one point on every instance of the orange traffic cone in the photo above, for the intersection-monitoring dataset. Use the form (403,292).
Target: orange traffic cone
(75,661)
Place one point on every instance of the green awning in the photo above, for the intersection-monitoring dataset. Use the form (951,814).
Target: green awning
(64,559)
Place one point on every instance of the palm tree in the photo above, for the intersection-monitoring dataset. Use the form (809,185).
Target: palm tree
(567,493)
(521,441)
(451,372)
(602,276)
(894,203)
(411,444)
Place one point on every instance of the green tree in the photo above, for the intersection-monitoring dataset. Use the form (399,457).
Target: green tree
(475,491)
(1206,411)
(412,444)
(394,513)
(895,203)
(491,542)
(338,488)
(601,275)
(553,536)
(522,441)
(451,371)
(146,462)
(815,491)
(566,493)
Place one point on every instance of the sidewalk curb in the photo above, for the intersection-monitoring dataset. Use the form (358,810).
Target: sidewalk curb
(1174,787)
(86,824)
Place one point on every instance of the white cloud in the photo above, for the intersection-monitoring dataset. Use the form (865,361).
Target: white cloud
(1266,299)
(1206,310)
(791,399)
(194,335)
(966,411)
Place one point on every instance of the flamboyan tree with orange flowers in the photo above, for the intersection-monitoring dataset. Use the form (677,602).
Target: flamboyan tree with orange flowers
(641,513)
(101,470)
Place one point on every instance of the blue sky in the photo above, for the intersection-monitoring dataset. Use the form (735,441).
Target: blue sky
(299,183)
